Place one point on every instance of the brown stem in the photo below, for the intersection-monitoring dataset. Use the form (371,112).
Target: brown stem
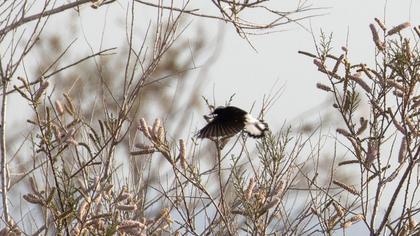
(3,151)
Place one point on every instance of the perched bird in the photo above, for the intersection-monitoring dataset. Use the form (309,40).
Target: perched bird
(230,120)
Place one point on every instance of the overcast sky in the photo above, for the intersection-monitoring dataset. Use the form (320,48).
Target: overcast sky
(249,74)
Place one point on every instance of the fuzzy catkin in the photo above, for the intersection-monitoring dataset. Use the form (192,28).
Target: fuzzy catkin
(372,153)
(59,107)
(144,128)
(183,154)
(323,87)
(398,28)
(380,23)
(403,150)
(250,188)
(375,36)
(349,189)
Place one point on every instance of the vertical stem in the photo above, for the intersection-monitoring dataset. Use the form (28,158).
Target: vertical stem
(394,197)
(221,186)
(3,155)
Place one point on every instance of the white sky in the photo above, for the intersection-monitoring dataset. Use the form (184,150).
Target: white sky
(240,70)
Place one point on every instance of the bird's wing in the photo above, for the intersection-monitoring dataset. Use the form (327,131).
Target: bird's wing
(217,128)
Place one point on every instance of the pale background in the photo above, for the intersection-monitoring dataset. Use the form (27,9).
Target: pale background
(275,65)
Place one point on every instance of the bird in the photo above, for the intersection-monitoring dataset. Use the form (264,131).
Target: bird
(226,121)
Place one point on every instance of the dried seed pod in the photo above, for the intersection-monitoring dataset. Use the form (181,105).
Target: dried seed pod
(150,129)
(183,154)
(145,128)
(131,227)
(346,224)
(126,207)
(343,132)
(161,134)
(69,106)
(398,28)
(357,218)
(43,86)
(32,198)
(59,107)
(403,150)
(352,220)
(372,153)
(323,87)
(143,152)
(57,133)
(34,185)
(346,187)
(363,126)
(24,82)
(380,23)
(375,37)
(407,49)
(356,78)
(250,188)
(337,64)
(156,126)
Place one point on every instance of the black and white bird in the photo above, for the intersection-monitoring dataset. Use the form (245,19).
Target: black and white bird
(228,121)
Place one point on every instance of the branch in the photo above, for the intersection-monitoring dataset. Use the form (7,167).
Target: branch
(3,156)
(100,53)
(53,11)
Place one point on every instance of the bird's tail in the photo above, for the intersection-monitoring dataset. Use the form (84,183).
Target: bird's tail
(255,128)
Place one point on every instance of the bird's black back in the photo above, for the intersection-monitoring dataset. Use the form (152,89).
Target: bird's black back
(230,114)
